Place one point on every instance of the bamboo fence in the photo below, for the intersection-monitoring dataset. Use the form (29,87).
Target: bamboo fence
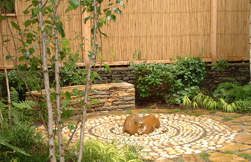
(159,29)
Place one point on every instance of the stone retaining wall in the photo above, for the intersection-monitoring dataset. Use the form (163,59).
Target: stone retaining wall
(112,96)
(238,71)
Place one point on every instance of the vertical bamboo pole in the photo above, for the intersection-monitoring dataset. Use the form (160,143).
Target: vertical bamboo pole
(213,30)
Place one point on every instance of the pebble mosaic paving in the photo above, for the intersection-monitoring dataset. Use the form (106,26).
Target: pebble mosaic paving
(178,134)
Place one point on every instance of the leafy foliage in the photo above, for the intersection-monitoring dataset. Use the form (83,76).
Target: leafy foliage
(32,78)
(221,65)
(22,136)
(191,70)
(97,151)
(229,97)
(171,81)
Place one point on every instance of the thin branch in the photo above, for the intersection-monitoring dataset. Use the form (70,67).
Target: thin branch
(69,140)
(88,82)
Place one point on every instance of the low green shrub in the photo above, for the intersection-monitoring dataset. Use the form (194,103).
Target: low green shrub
(170,81)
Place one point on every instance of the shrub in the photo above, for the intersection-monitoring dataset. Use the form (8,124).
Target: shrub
(34,81)
(171,81)
(191,70)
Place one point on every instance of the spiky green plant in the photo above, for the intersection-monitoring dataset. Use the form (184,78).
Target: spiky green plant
(97,151)
(210,103)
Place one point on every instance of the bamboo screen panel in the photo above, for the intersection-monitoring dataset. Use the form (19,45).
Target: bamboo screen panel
(71,20)
(232,29)
(8,47)
(161,29)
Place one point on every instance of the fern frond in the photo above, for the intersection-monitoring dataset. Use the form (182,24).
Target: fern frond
(13,95)
(24,104)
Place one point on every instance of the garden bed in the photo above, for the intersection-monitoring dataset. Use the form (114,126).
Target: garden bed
(102,97)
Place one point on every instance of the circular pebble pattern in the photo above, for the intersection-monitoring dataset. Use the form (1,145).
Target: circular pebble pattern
(177,134)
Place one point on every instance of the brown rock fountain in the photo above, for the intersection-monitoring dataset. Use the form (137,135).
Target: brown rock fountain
(140,125)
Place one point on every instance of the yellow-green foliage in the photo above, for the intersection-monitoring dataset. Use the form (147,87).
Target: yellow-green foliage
(97,151)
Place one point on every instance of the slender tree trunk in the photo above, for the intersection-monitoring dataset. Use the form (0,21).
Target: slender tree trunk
(7,81)
(58,92)
(6,74)
(47,87)
(7,87)
(80,156)
(250,40)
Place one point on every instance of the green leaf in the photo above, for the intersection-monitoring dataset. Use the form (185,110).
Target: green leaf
(22,67)
(69,8)
(113,17)
(68,95)
(108,68)
(60,29)
(75,90)
(34,21)
(15,25)
(66,42)
(65,102)
(35,11)
(110,4)
(7,40)
(22,58)
(9,57)
(35,3)
(102,33)
(88,18)
(71,126)
(95,91)
(74,3)
(3,142)
(117,10)
(2,17)
(9,5)
(66,113)
(27,23)
(95,101)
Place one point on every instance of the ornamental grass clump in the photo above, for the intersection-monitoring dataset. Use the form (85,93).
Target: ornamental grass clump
(228,97)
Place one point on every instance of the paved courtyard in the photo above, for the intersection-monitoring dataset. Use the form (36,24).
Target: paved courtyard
(180,136)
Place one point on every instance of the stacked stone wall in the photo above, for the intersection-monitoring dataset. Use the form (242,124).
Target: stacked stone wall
(112,96)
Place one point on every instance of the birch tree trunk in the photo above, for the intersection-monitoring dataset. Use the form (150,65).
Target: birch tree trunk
(58,92)
(7,87)
(47,86)
(80,156)
(250,40)
(6,75)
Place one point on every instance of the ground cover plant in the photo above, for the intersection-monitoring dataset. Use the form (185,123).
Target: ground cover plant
(228,96)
